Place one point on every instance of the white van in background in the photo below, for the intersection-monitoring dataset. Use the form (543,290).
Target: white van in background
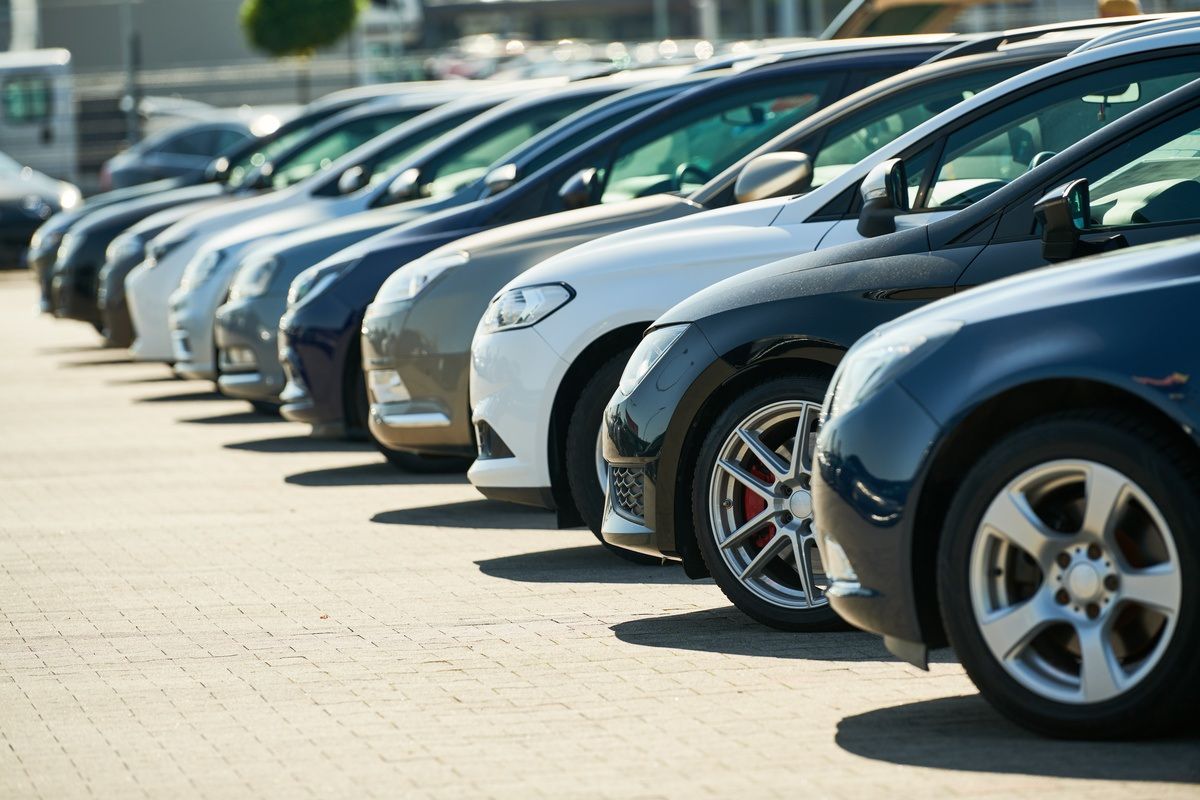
(37,111)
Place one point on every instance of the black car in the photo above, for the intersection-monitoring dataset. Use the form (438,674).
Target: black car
(1015,471)
(181,152)
(711,449)
(320,341)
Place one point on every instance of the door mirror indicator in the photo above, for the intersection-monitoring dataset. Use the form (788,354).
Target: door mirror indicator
(884,197)
(500,178)
(773,175)
(579,189)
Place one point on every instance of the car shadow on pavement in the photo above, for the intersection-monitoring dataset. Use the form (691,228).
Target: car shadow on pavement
(235,418)
(135,381)
(727,630)
(183,397)
(300,444)
(471,514)
(375,474)
(587,564)
(106,362)
(965,733)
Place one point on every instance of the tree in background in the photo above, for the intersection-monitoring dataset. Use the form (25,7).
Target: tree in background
(298,28)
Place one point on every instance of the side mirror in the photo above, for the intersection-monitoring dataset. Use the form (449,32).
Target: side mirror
(352,180)
(500,178)
(262,177)
(217,169)
(405,186)
(1065,214)
(773,175)
(884,196)
(579,189)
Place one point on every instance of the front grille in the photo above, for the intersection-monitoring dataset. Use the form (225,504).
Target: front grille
(627,490)
(489,442)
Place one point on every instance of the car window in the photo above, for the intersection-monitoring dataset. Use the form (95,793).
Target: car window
(1153,178)
(988,153)
(391,157)
(331,146)
(469,160)
(190,143)
(227,138)
(241,170)
(878,124)
(684,152)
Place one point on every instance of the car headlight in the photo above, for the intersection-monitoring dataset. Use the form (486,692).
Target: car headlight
(526,306)
(253,277)
(200,269)
(650,350)
(124,247)
(408,281)
(68,198)
(880,357)
(314,280)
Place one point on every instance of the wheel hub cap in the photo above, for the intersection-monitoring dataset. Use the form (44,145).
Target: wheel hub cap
(1083,582)
(800,504)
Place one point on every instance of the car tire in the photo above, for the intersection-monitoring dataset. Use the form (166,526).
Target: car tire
(1041,681)
(773,596)
(581,457)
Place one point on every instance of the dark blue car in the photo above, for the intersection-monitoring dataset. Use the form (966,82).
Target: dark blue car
(1015,471)
(319,338)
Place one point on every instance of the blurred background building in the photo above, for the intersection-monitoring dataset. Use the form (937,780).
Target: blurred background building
(138,64)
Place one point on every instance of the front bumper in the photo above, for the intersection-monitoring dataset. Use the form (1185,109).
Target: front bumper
(418,393)
(110,301)
(514,378)
(865,490)
(248,331)
(311,357)
(147,291)
(73,291)
(636,426)
(191,320)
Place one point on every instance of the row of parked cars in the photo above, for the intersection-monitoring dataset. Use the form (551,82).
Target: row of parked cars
(694,310)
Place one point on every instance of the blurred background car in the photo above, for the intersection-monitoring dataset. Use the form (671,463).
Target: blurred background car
(186,150)
(27,199)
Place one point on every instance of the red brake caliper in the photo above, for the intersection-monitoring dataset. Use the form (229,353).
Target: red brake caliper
(753,505)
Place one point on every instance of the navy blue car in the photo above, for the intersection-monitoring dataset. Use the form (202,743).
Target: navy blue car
(319,338)
(1015,471)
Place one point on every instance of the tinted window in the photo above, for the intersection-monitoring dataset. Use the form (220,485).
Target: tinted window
(470,159)
(191,143)
(391,157)
(332,145)
(986,154)
(878,124)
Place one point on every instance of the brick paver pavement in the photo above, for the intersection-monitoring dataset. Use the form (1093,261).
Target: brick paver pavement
(199,601)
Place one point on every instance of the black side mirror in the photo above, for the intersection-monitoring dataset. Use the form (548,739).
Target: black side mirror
(884,196)
(500,178)
(262,178)
(217,170)
(405,186)
(773,175)
(579,189)
(1065,214)
(352,180)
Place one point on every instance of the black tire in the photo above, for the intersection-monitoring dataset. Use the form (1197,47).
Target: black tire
(1166,698)
(774,390)
(580,453)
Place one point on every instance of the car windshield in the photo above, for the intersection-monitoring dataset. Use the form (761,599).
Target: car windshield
(1149,181)
(684,151)
(240,170)
(332,145)
(395,154)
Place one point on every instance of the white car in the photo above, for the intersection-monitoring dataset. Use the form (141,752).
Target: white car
(550,349)
(301,175)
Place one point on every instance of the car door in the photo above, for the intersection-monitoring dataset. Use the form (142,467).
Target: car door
(1144,188)
(985,151)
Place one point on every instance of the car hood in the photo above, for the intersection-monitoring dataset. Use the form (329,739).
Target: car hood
(1122,273)
(808,274)
(269,224)
(231,213)
(717,235)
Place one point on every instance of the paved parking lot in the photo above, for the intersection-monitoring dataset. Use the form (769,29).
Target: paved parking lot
(199,601)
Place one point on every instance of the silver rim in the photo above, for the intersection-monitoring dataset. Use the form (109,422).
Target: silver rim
(760,506)
(1075,582)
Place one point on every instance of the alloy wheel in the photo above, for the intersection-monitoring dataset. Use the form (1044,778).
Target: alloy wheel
(1075,581)
(760,505)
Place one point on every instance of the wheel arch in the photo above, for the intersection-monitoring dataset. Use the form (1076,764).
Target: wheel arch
(979,430)
(576,377)
(791,358)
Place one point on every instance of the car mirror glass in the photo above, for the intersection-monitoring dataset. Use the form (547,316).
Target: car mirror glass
(774,175)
